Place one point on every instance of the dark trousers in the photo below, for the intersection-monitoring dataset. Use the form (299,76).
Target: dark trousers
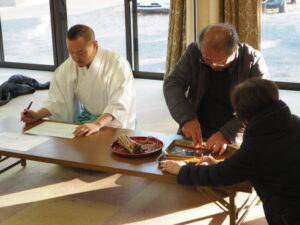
(289,216)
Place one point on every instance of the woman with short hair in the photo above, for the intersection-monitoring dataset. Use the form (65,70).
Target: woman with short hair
(269,154)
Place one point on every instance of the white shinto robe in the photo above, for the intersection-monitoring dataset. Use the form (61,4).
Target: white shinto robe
(105,87)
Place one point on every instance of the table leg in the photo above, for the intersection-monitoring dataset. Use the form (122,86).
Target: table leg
(8,162)
(235,216)
(232,208)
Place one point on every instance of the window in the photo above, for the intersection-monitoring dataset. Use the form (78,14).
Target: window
(106,18)
(33,32)
(26,32)
(153,23)
(280,41)
(137,30)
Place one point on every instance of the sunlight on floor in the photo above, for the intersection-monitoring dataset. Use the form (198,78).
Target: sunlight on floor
(60,189)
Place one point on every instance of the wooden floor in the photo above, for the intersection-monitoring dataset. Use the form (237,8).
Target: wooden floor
(49,194)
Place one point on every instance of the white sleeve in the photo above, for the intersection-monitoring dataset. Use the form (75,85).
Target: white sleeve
(121,95)
(61,102)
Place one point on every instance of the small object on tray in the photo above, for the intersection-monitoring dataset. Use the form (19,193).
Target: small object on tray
(183,150)
(136,146)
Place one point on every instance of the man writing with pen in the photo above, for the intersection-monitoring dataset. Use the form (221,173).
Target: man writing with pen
(198,89)
(93,87)
(27,109)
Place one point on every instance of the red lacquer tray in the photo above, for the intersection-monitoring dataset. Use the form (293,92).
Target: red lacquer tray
(157,146)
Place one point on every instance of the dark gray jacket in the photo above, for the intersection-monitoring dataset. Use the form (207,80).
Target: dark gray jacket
(185,87)
(19,84)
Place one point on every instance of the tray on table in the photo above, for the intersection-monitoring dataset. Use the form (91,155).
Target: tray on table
(181,149)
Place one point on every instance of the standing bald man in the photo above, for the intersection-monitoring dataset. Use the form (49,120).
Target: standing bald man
(198,89)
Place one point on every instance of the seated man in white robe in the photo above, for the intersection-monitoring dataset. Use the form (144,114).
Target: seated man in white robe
(93,87)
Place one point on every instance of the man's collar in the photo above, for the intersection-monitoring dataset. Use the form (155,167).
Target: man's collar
(235,61)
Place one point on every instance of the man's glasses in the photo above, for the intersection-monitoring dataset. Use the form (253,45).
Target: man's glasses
(220,63)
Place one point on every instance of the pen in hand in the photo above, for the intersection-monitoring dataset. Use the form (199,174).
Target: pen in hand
(28,107)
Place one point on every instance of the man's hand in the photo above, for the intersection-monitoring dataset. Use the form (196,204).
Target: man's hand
(90,128)
(29,116)
(171,166)
(87,129)
(217,142)
(191,129)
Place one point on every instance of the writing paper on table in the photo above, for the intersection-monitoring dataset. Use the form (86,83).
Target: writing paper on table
(20,142)
(53,129)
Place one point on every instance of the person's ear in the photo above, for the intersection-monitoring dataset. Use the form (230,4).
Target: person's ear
(95,43)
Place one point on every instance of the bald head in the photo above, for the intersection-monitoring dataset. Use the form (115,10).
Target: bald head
(82,45)
(83,31)
(219,36)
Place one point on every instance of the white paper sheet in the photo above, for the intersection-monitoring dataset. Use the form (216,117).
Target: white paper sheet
(20,142)
(53,129)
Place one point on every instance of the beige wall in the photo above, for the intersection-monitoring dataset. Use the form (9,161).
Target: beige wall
(208,12)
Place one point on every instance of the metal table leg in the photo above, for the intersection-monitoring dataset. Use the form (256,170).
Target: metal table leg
(230,206)
(8,162)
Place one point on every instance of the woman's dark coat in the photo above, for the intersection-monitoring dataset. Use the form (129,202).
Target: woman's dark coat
(269,156)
